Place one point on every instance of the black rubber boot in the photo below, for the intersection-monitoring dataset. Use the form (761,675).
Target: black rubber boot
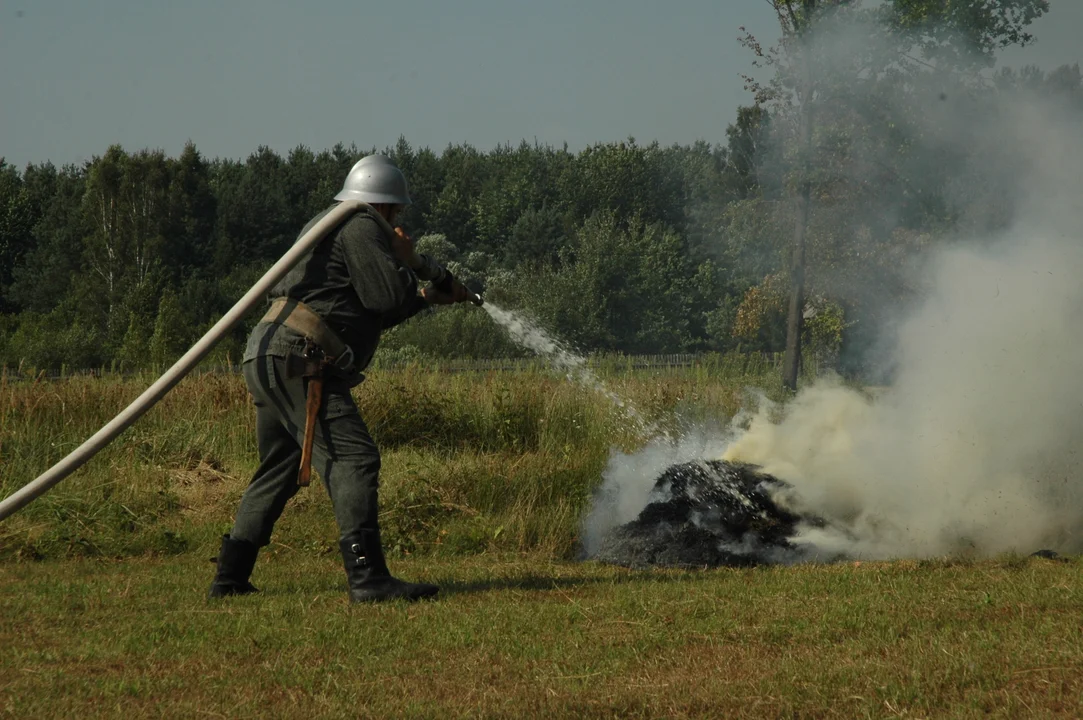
(367,573)
(235,562)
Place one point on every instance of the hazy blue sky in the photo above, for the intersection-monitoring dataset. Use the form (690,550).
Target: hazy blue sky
(230,75)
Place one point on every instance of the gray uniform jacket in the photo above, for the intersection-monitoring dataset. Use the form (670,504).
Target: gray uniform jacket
(354,282)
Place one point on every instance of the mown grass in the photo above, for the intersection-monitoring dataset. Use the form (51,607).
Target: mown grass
(527,636)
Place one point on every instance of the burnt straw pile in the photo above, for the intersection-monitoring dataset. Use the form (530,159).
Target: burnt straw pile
(709,514)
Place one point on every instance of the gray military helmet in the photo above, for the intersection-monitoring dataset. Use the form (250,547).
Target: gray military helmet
(375,179)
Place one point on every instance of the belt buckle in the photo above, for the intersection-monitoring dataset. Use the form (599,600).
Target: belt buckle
(345,360)
(312,351)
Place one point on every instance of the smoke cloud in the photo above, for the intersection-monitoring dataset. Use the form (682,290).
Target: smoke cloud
(975,446)
(629,479)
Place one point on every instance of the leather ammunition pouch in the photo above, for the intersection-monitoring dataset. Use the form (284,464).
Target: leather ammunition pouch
(322,344)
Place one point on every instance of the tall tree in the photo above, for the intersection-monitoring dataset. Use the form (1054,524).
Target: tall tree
(819,89)
(622,284)
(43,277)
(255,222)
(451,211)
(102,204)
(798,24)
(192,213)
(18,215)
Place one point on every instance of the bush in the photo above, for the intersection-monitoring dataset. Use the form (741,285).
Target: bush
(457,331)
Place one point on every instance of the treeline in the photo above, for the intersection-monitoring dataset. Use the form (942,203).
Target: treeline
(128,258)
(623,247)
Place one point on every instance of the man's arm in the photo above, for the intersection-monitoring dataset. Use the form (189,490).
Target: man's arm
(384,285)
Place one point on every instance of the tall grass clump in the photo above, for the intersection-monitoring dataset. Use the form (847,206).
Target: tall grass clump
(473,461)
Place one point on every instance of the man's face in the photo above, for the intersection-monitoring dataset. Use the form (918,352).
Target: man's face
(389,212)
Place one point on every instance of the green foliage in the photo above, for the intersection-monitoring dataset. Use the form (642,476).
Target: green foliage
(17,219)
(449,332)
(438,247)
(618,285)
(170,338)
(824,331)
(627,180)
(134,349)
(52,341)
(963,33)
(211,228)
(44,276)
(536,238)
(624,246)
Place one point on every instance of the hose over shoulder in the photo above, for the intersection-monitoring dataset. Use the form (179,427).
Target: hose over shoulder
(78,457)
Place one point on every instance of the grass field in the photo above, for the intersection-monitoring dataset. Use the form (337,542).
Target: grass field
(524,636)
(102,612)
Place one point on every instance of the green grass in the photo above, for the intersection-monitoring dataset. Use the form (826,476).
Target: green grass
(526,636)
(486,477)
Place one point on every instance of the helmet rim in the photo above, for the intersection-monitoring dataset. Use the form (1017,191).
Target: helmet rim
(375,179)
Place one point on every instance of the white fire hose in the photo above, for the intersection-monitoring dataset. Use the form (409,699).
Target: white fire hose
(74,460)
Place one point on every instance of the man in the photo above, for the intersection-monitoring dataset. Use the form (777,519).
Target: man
(322,330)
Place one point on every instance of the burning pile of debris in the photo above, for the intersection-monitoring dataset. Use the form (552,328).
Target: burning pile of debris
(709,514)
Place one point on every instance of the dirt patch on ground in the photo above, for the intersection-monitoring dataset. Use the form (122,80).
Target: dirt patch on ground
(202,485)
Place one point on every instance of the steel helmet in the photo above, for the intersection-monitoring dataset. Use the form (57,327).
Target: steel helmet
(375,179)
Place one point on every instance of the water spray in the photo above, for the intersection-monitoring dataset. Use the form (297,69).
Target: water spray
(531,336)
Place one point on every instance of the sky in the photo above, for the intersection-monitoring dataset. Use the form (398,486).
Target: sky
(231,75)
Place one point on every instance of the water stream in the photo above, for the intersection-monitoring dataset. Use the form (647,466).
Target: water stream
(528,334)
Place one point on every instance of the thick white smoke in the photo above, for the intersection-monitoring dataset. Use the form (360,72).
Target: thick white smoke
(628,480)
(976,446)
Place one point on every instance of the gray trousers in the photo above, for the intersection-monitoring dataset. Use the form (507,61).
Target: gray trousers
(343,453)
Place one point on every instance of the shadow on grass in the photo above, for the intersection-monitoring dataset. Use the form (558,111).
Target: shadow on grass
(616,575)
(541,582)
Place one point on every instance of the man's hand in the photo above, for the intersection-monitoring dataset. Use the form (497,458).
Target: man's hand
(457,294)
(402,245)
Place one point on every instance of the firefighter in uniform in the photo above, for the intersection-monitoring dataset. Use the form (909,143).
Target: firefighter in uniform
(300,363)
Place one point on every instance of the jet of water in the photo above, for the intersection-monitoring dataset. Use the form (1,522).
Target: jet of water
(530,335)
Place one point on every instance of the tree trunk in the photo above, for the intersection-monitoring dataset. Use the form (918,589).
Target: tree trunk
(796,312)
(795,316)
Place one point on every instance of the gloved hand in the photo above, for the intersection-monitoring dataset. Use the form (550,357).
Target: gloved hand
(445,291)
(450,291)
